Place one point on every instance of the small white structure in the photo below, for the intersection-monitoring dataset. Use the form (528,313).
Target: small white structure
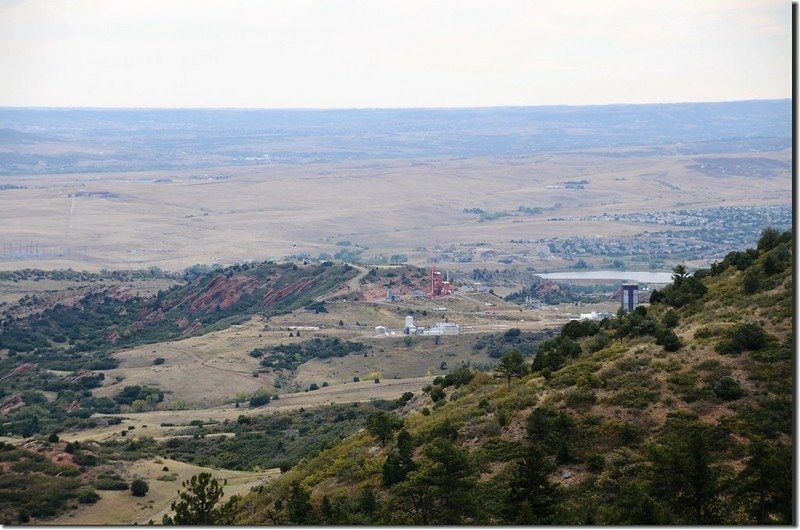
(380,330)
(442,328)
(409,321)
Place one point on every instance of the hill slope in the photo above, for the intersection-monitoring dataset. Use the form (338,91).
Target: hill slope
(79,335)
(678,413)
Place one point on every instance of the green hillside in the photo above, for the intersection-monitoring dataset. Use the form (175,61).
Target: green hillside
(677,413)
(79,337)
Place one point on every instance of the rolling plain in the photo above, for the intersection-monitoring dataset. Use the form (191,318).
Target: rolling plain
(172,282)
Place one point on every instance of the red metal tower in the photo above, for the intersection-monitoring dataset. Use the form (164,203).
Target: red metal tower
(438,286)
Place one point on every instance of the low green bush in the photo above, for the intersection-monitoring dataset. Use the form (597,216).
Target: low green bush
(728,388)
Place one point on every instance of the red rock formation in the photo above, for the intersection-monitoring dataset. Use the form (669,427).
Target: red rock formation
(547,288)
(119,292)
(10,403)
(149,316)
(182,323)
(224,292)
(299,286)
(82,374)
(21,369)
(194,328)
(112,337)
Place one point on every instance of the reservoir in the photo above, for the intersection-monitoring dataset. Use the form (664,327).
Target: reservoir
(633,276)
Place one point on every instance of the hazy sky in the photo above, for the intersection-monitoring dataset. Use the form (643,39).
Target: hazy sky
(390,53)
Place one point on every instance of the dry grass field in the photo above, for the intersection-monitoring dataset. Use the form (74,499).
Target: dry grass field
(221,362)
(162,424)
(129,220)
(122,508)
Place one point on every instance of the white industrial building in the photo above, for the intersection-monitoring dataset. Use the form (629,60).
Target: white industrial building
(442,328)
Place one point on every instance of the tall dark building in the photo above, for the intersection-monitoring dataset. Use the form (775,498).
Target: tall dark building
(630,296)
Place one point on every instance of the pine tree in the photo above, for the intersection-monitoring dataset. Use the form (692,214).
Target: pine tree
(399,463)
(531,497)
(512,365)
(196,506)
(440,491)
(298,505)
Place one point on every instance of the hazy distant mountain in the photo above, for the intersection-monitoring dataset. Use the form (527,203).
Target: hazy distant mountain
(161,139)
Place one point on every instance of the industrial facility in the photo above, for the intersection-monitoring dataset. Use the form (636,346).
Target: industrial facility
(411,328)
(439,286)
(440,328)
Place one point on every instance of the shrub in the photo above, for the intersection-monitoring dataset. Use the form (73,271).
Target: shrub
(458,377)
(110,482)
(670,319)
(750,283)
(502,418)
(159,360)
(580,397)
(313,386)
(669,340)
(708,331)
(53,438)
(500,450)
(139,488)
(356,379)
(635,397)
(437,393)
(405,398)
(682,291)
(549,426)
(596,343)
(728,388)
(88,496)
(85,459)
(577,329)
(595,463)
(769,239)
(749,336)
(259,400)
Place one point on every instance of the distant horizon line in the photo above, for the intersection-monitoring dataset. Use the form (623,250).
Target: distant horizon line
(488,107)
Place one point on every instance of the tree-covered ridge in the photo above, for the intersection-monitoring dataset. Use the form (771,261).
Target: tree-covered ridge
(111,318)
(630,428)
(79,337)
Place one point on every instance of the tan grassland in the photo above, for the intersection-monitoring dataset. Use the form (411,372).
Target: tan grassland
(216,368)
(150,423)
(122,508)
(391,206)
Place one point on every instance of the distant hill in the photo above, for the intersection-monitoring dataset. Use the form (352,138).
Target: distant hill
(251,137)
(676,413)
(11,137)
